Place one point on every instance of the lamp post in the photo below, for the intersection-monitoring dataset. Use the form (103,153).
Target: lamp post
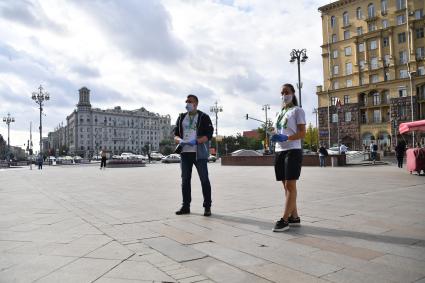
(266,126)
(215,109)
(39,98)
(316,112)
(8,120)
(299,55)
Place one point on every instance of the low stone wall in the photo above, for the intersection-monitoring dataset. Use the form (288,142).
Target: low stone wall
(268,160)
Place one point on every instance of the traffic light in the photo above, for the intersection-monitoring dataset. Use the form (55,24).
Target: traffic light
(246,116)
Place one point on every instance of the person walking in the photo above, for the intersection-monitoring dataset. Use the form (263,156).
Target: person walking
(343,149)
(193,133)
(40,161)
(290,130)
(399,152)
(323,153)
(103,159)
(373,151)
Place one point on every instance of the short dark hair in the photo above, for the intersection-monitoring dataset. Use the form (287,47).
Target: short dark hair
(193,96)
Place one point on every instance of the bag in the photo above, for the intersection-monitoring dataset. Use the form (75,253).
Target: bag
(178,149)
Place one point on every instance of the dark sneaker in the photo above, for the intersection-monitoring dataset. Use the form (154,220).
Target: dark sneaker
(207,211)
(281,226)
(294,221)
(183,210)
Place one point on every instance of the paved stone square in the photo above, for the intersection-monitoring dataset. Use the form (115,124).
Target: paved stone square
(81,224)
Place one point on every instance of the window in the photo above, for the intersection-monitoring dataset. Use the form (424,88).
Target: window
(402,91)
(421,71)
(347,116)
(346,34)
(419,14)
(371,27)
(362,80)
(377,116)
(335,54)
(347,51)
(401,19)
(334,118)
(386,76)
(374,78)
(359,13)
(373,45)
(345,19)
(349,83)
(386,41)
(420,53)
(419,32)
(346,99)
(386,60)
(386,97)
(336,70)
(374,63)
(359,31)
(402,37)
(402,57)
(403,74)
(376,99)
(371,11)
(361,47)
(333,21)
(334,39)
(401,4)
(384,23)
(348,68)
(384,6)
(361,64)
(336,85)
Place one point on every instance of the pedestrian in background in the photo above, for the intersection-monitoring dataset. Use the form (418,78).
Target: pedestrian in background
(373,151)
(290,130)
(103,159)
(40,161)
(323,153)
(399,152)
(193,133)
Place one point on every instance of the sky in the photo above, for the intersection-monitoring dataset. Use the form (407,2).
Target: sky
(151,54)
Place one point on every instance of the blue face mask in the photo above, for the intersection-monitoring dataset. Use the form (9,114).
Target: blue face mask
(190,107)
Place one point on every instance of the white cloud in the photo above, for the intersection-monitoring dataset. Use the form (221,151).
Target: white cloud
(153,53)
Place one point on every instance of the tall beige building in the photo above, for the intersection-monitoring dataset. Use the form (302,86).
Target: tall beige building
(373,62)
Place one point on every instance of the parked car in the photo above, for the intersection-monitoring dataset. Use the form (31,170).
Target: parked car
(156,156)
(246,152)
(172,158)
(128,155)
(117,157)
(212,158)
(141,157)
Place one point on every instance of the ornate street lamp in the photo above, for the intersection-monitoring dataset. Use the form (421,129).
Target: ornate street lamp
(39,98)
(8,120)
(215,109)
(299,56)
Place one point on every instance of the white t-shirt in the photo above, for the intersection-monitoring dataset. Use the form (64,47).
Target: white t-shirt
(189,132)
(288,125)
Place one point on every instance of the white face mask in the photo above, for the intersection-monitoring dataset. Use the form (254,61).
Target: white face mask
(286,99)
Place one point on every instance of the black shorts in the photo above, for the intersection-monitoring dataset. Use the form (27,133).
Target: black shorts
(287,164)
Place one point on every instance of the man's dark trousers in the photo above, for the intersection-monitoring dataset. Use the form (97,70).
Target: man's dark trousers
(188,159)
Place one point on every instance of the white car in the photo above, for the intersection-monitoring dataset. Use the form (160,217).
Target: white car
(156,156)
(128,155)
(172,158)
(141,157)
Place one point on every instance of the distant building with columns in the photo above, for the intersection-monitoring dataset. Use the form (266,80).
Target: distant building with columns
(89,130)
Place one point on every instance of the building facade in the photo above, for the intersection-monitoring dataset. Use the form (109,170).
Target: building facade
(374,72)
(89,130)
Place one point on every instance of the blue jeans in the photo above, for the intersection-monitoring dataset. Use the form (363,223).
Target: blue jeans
(322,161)
(187,161)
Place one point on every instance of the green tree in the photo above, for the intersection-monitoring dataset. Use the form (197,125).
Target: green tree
(311,139)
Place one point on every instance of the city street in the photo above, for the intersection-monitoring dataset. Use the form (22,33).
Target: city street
(82,224)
